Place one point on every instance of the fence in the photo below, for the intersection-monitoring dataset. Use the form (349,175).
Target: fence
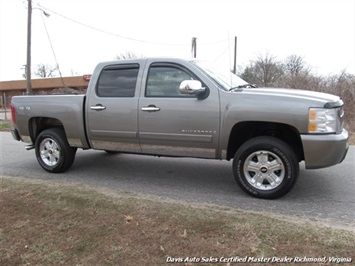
(5,109)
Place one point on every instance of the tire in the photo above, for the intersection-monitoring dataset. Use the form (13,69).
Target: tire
(265,167)
(53,151)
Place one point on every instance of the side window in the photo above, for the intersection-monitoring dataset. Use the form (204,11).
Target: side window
(118,81)
(164,81)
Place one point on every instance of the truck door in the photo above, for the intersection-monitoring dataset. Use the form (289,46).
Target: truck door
(172,123)
(112,109)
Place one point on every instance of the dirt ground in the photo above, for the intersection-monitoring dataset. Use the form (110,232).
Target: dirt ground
(42,223)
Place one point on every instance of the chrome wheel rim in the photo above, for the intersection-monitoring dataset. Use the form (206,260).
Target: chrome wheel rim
(49,152)
(264,170)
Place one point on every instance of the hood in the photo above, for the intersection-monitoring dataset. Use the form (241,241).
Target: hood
(326,100)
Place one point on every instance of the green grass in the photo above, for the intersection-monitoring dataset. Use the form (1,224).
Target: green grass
(5,125)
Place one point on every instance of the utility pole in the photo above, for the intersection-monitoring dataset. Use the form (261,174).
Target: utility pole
(28,64)
(194,47)
(235,55)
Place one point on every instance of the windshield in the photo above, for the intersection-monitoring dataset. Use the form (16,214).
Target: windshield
(224,78)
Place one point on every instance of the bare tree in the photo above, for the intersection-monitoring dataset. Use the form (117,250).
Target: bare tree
(293,72)
(264,71)
(127,55)
(45,71)
(296,74)
(294,65)
(73,72)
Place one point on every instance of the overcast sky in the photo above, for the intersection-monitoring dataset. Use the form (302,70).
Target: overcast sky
(85,32)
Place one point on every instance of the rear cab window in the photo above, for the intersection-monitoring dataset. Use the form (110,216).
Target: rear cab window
(118,81)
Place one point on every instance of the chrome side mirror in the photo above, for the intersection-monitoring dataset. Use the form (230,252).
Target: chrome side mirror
(192,87)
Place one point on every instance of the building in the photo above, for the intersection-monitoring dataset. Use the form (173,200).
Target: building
(65,85)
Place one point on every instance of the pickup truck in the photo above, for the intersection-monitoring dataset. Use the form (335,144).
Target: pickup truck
(187,108)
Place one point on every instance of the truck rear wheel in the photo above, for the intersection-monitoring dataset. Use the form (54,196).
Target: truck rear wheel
(265,167)
(53,151)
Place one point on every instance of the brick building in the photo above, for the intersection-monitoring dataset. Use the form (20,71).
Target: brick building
(66,85)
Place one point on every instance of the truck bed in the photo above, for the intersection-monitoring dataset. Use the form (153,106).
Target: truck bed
(65,111)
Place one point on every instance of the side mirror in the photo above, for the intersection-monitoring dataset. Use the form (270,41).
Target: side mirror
(191,87)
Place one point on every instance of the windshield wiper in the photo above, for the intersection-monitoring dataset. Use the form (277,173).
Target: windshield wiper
(246,85)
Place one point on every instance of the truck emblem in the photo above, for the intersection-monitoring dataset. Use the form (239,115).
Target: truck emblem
(201,131)
(23,108)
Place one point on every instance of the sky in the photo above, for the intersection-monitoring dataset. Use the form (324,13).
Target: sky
(83,33)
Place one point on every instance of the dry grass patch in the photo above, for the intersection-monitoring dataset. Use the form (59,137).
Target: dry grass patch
(41,225)
(5,125)
(352,138)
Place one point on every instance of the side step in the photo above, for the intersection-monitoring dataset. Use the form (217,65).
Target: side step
(30,147)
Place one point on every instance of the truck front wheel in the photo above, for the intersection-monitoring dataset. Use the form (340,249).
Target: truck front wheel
(265,167)
(53,151)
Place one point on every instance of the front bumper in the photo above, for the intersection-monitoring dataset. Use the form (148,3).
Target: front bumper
(324,150)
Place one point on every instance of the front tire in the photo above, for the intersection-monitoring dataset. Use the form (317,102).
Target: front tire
(265,167)
(53,151)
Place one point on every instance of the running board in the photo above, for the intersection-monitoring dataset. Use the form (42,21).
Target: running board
(30,147)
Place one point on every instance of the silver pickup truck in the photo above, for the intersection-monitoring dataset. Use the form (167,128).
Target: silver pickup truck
(181,108)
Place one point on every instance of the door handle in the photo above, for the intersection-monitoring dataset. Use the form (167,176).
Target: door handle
(97,107)
(150,108)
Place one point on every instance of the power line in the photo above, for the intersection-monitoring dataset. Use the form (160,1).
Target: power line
(108,32)
(55,57)
(124,37)
(220,55)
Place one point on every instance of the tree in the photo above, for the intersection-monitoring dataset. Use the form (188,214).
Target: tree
(127,55)
(296,74)
(73,72)
(264,71)
(294,65)
(45,71)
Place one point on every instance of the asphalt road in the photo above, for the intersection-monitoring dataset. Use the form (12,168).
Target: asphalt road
(324,195)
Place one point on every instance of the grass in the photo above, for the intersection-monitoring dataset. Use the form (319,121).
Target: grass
(5,125)
(46,224)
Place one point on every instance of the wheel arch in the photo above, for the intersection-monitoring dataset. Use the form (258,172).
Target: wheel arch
(39,124)
(243,131)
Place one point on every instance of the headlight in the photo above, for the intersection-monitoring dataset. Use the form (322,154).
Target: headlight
(322,120)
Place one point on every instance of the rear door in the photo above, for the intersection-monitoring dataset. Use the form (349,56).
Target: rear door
(112,109)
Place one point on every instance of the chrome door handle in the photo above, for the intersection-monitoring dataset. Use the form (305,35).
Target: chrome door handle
(98,107)
(150,108)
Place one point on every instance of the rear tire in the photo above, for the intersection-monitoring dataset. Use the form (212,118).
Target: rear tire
(265,167)
(53,151)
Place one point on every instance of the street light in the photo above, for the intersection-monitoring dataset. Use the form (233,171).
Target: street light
(28,64)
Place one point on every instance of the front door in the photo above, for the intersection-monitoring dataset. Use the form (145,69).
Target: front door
(176,124)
